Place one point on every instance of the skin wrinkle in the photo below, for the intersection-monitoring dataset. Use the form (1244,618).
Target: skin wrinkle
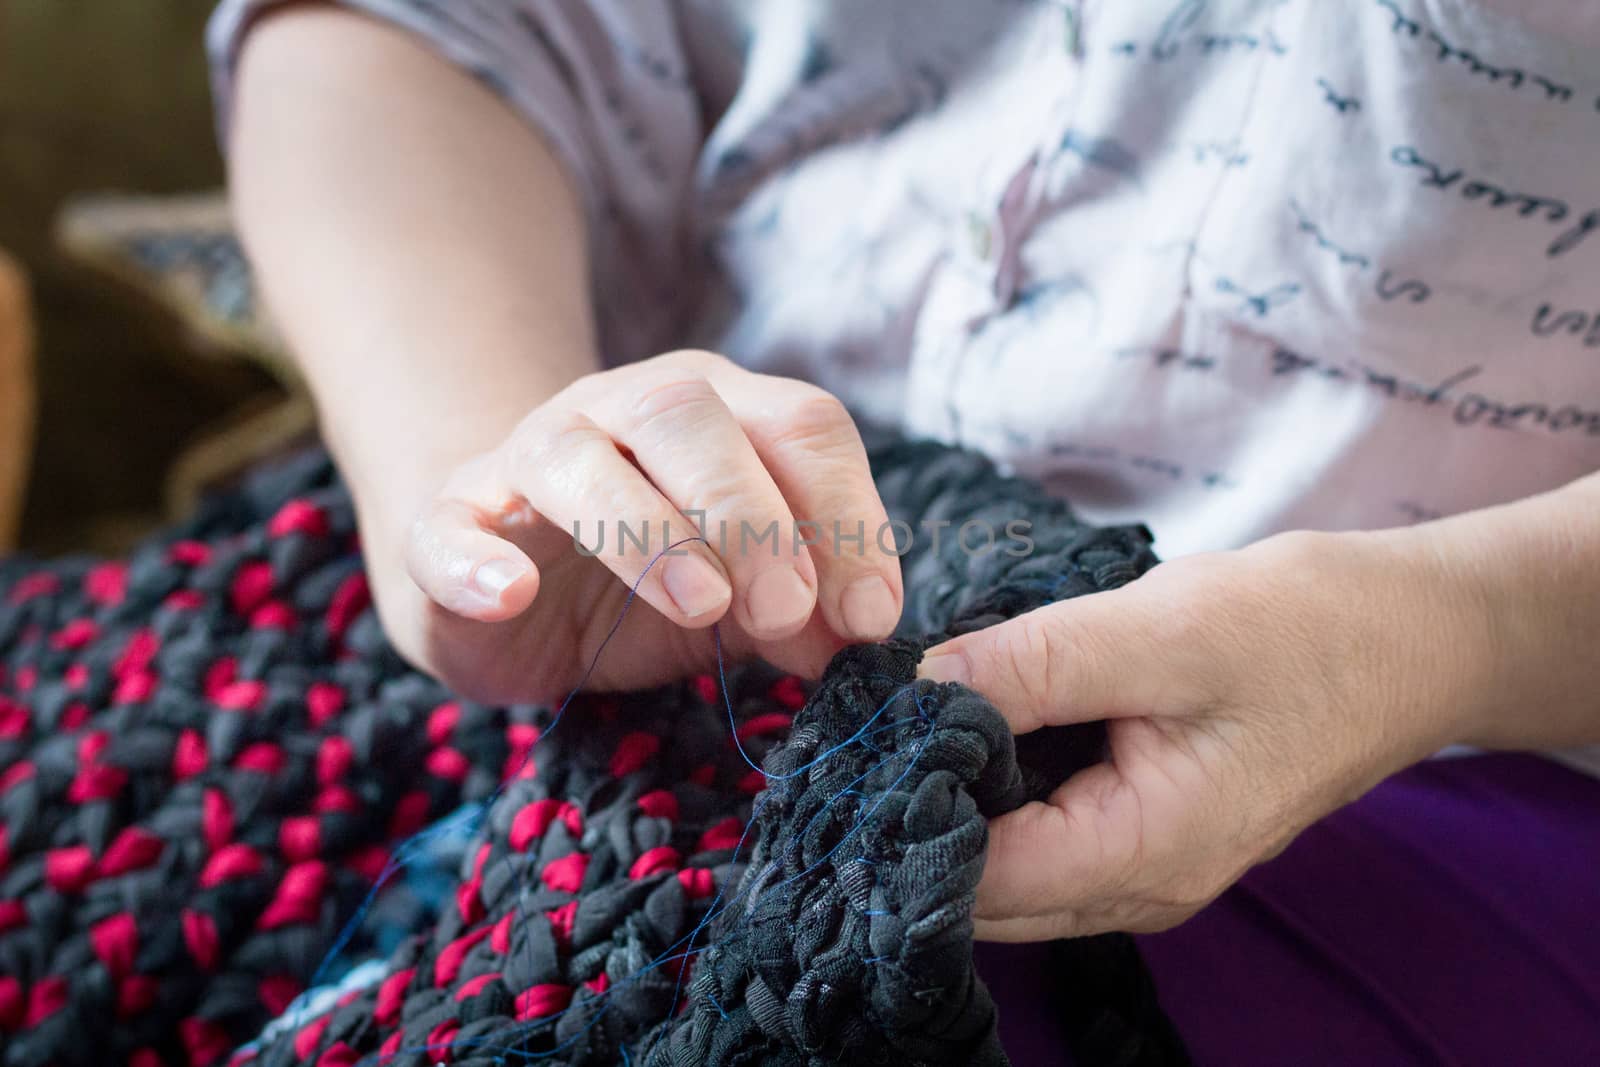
(672,406)
(809,424)
(1030,644)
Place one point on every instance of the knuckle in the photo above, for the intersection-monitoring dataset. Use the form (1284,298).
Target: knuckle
(1299,560)
(676,405)
(561,436)
(1026,655)
(697,359)
(1072,647)
(1180,613)
(726,500)
(816,421)
(852,535)
(1189,579)
(1188,614)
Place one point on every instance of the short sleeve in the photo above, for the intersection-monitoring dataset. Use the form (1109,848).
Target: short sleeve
(608,85)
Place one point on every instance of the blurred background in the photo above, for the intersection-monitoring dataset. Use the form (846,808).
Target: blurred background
(134,365)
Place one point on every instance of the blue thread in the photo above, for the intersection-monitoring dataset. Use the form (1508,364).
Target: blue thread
(518,882)
(533,1026)
(727,701)
(407,848)
(860,821)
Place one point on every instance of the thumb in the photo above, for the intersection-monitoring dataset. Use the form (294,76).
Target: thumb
(1090,658)
(465,569)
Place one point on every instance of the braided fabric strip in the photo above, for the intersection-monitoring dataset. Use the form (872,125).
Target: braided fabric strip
(209,752)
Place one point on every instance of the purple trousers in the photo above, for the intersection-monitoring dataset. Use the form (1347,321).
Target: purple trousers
(1451,916)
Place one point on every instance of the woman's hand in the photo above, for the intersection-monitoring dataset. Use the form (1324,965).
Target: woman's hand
(444,323)
(488,590)
(1248,693)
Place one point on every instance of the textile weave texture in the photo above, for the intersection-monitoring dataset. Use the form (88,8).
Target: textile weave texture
(208,753)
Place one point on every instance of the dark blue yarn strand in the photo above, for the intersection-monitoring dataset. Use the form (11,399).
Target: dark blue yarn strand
(396,863)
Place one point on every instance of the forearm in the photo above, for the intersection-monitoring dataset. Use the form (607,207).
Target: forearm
(420,247)
(1530,572)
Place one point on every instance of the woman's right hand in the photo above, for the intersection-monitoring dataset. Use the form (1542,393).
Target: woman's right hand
(488,590)
(425,254)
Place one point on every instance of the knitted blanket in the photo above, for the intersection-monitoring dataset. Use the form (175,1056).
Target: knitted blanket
(208,754)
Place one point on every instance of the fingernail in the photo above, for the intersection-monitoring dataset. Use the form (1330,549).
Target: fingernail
(694,585)
(495,577)
(869,608)
(779,598)
(946,667)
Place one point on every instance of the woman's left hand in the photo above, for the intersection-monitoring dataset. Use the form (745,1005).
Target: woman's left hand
(1247,694)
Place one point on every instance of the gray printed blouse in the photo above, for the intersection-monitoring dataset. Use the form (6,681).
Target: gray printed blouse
(1226,266)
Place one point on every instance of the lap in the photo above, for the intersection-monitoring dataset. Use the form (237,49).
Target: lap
(1450,916)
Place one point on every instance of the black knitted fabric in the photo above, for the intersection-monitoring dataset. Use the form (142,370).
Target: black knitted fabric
(209,751)
(850,939)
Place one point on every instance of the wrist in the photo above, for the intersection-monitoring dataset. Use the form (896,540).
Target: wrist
(1448,619)
(390,480)
(1525,581)
(397,443)
(394,467)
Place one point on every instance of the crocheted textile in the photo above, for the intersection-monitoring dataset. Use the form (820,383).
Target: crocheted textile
(209,752)
(850,938)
